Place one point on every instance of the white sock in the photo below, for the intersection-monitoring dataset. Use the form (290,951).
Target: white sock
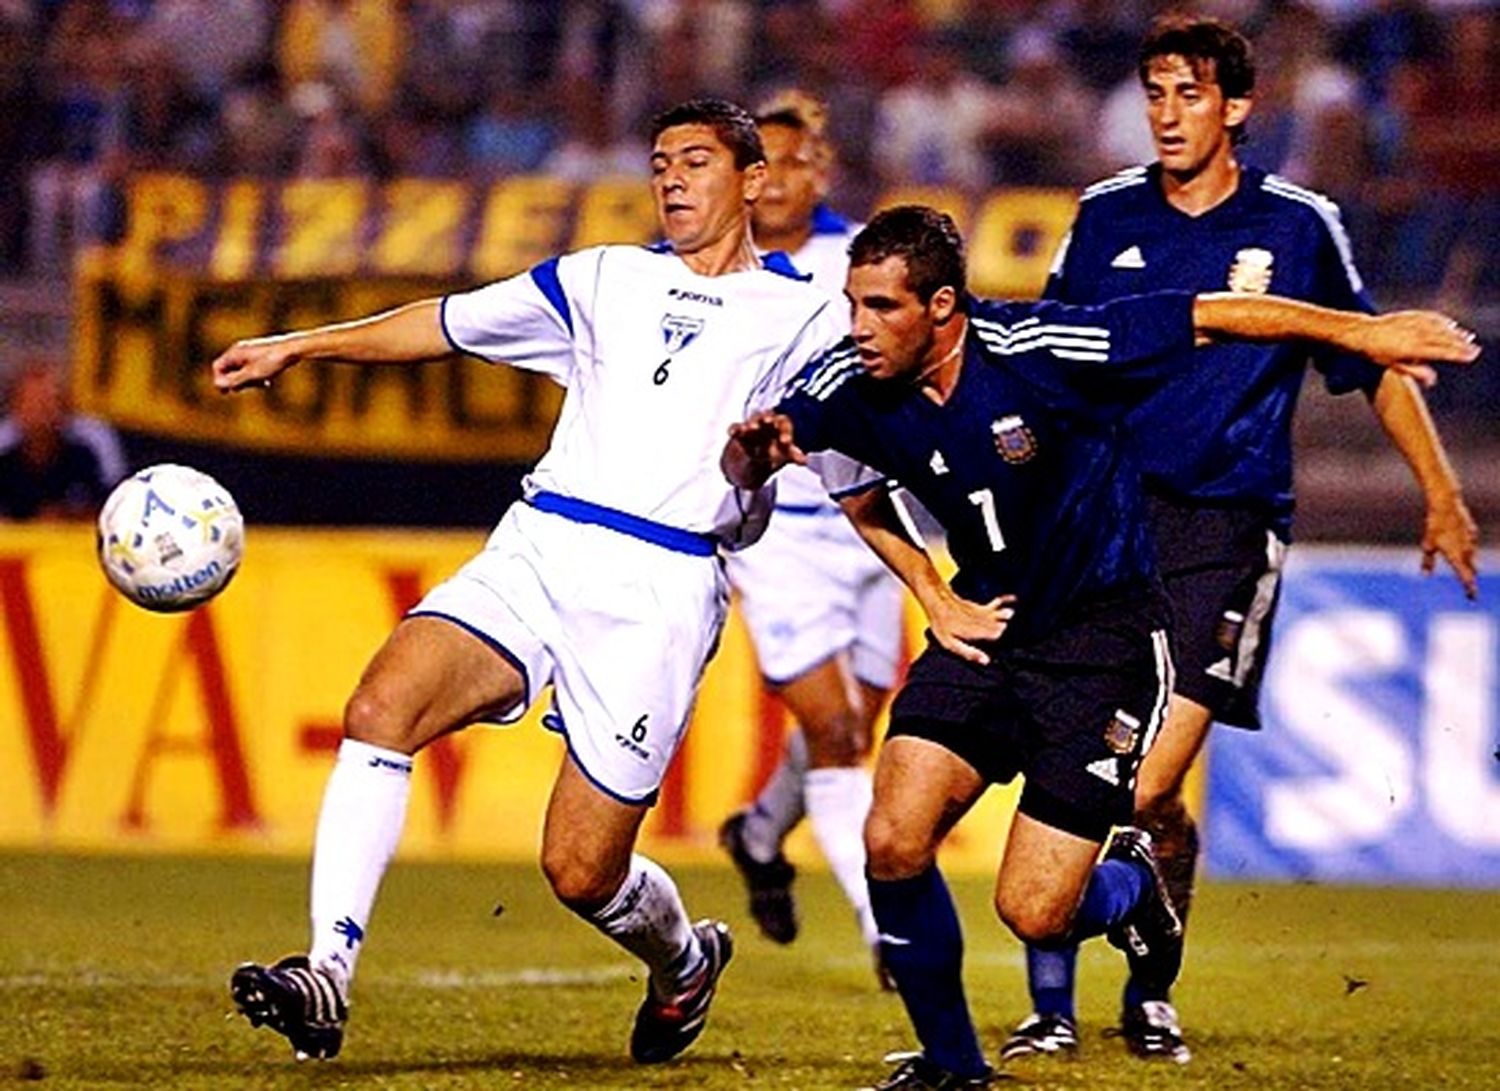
(647,918)
(838,801)
(364,808)
(779,807)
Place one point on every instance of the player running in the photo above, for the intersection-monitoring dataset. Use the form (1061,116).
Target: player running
(1214,441)
(604,581)
(1003,419)
(823,612)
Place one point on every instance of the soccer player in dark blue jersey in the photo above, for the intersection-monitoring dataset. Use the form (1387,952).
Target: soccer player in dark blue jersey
(1214,441)
(1004,420)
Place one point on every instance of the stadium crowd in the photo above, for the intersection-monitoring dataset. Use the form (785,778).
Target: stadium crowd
(1389,106)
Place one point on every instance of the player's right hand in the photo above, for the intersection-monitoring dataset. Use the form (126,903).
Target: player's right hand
(253,362)
(767,441)
(956,622)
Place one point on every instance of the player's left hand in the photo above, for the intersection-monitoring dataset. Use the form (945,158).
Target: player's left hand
(1408,342)
(1451,531)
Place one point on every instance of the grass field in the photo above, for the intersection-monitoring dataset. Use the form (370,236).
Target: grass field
(112,974)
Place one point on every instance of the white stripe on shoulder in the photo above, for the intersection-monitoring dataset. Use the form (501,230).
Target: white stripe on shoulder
(1332,220)
(831,372)
(1130,176)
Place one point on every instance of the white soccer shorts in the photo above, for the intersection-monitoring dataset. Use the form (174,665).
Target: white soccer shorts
(810,589)
(620,628)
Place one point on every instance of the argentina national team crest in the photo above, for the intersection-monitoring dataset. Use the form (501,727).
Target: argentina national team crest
(679,332)
(1251,271)
(1015,442)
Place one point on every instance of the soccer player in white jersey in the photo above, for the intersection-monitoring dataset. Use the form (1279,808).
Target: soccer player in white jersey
(823,612)
(604,581)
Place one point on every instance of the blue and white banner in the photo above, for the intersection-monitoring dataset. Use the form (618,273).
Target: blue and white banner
(1380,758)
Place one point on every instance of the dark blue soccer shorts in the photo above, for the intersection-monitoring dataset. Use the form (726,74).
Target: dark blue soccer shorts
(1074,712)
(1222,571)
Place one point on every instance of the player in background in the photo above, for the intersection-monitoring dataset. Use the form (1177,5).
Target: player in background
(823,612)
(1004,421)
(604,581)
(1214,441)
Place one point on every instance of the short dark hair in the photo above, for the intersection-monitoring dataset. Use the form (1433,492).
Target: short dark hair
(928,240)
(732,124)
(1213,49)
(786,117)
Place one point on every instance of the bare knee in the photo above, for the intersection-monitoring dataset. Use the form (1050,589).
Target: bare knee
(836,740)
(578,882)
(895,850)
(372,717)
(1034,921)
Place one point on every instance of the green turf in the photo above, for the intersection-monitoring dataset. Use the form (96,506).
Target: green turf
(112,974)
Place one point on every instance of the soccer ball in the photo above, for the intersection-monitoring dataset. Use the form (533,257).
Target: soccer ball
(170,538)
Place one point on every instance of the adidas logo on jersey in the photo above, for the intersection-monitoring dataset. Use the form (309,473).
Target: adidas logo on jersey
(1106,769)
(1129,258)
(937,464)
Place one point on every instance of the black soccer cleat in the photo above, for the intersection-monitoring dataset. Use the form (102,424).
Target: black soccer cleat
(1151,1031)
(917,1073)
(1151,936)
(1049,1035)
(769,884)
(297,1001)
(664,1029)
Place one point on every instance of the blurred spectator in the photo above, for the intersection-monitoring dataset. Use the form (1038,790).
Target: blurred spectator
(20,130)
(1124,134)
(510,135)
(1101,38)
(332,143)
(211,43)
(930,130)
(1390,33)
(588,150)
(1042,123)
(355,45)
(85,106)
(54,464)
(258,133)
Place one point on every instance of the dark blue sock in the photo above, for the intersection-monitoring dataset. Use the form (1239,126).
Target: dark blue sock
(923,948)
(1049,976)
(1113,891)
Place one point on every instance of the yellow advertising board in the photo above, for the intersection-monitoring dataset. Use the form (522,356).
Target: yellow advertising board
(214,730)
(203,264)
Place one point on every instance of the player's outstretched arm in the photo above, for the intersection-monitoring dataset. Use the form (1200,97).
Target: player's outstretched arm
(1449,529)
(955,622)
(758,447)
(408,334)
(1404,341)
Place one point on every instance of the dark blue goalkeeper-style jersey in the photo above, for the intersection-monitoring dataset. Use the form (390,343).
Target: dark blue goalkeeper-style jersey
(1024,465)
(1219,432)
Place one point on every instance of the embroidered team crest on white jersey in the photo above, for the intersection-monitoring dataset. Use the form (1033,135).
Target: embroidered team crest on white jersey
(679,332)
(650,448)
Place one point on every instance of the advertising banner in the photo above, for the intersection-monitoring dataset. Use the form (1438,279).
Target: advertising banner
(214,730)
(203,264)
(1380,758)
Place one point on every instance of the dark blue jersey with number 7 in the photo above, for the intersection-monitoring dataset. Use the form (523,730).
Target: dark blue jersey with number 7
(1024,465)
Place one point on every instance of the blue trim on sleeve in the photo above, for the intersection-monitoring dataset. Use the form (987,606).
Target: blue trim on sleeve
(777,262)
(856,490)
(519,710)
(647,530)
(552,720)
(825,221)
(807,509)
(447,333)
(546,279)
